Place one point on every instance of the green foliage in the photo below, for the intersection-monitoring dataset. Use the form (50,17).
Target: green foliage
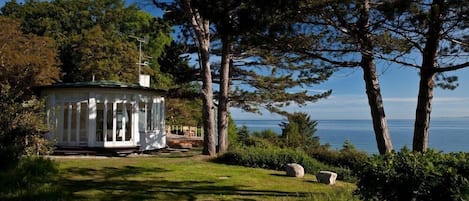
(27,60)
(18,122)
(272,157)
(175,64)
(232,131)
(347,157)
(181,111)
(37,145)
(299,131)
(268,136)
(407,176)
(93,37)
(104,55)
(32,179)
(242,136)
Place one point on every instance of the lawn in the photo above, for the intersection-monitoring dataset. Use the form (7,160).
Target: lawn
(186,176)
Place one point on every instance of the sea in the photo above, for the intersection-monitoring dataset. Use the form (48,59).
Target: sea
(446,134)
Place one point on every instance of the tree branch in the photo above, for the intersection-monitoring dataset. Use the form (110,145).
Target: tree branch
(452,68)
(396,60)
(338,63)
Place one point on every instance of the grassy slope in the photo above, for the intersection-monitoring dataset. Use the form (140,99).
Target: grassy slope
(185,177)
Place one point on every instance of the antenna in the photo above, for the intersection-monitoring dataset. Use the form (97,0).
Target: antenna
(140,54)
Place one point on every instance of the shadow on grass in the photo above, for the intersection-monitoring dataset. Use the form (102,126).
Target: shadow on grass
(137,183)
(279,175)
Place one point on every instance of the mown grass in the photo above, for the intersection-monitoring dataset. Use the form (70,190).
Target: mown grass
(185,177)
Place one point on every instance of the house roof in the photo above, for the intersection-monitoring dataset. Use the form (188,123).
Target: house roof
(101,84)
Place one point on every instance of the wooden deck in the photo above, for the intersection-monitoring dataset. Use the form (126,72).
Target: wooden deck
(183,142)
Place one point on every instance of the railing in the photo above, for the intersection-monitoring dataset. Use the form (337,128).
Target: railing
(186,131)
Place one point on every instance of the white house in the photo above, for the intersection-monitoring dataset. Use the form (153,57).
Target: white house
(105,114)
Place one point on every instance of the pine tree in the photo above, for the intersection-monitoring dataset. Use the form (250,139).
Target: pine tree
(335,34)
(298,131)
(437,31)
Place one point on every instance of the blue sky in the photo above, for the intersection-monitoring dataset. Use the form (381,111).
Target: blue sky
(399,87)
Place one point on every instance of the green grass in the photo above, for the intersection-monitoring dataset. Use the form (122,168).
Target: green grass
(185,177)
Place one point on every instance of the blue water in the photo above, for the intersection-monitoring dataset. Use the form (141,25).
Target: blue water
(448,135)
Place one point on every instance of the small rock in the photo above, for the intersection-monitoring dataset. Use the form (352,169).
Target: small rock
(295,170)
(326,177)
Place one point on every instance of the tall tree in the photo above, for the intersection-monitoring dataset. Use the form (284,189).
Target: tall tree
(338,34)
(222,14)
(272,85)
(201,27)
(26,60)
(196,28)
(233,21)
(436,30)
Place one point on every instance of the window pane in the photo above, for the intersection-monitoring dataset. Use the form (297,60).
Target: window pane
(109,124)
(142,121)
(84,122)
(128,123)
(162,114)
(73,134)
(149,116)
(154,115)
(120,122)
(66,121)
(99,122)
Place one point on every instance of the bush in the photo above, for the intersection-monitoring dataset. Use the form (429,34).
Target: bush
(37,145)
(414,176)
(18,121)
(271,157)
(347,157)
(32,179)
(299,131)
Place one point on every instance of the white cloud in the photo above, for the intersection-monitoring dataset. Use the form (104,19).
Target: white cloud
(356,107)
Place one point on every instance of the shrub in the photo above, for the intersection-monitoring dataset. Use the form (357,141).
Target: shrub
(414,176)
(347,157)
(37,145)
(271,157)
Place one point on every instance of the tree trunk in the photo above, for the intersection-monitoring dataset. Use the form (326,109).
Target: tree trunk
(201,28)
(208,113)
(223,99)
(427,73)
(373,91)
(423,111)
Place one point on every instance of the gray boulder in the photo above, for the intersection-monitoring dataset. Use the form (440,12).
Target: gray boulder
(326,177)
(295,170)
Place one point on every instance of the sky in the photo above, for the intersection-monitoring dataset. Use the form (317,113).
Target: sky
(399,88)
